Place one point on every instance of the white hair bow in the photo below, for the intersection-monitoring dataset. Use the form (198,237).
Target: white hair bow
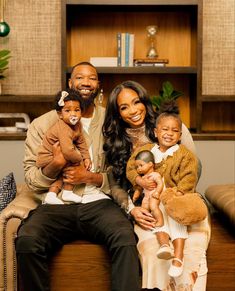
(63,95)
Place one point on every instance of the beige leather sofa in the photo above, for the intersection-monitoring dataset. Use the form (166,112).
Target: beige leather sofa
(81,265)
(10,219)
(84,266)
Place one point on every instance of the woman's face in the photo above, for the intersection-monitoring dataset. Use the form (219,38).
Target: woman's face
(130,107)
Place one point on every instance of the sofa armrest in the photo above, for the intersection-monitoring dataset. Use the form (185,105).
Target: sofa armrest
(10,219)
(222,198)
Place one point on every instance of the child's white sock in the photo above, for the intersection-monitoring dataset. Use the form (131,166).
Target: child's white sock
(68,195)
(51,198)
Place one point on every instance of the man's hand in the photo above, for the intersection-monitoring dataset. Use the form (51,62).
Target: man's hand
(77,174)
(58,157)
(53,169)
(143,218)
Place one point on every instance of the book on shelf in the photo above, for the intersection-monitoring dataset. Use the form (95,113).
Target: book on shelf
(131,50)
(104,61)
(125,49)
(150,65)
(151,62)
(127,46)
(119,44)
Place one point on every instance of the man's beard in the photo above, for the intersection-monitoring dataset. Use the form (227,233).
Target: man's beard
(86,102)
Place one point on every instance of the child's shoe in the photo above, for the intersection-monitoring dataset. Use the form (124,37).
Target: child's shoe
(165,252)
(51,198)
(176,271)
(71,197)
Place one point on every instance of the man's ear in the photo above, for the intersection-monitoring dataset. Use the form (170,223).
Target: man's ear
(70,83)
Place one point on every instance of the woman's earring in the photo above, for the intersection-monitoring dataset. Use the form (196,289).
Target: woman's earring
(100,97)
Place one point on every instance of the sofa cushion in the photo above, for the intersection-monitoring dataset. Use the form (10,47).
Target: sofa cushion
(7,190)
(222,198)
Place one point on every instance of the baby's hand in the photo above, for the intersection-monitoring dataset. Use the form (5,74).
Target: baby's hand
(87,164)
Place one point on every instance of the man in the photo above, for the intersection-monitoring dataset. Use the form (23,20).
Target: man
(97,218)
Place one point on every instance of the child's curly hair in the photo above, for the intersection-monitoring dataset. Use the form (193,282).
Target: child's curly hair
(72,95)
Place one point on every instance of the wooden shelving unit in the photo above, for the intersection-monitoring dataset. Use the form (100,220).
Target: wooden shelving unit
(89,29)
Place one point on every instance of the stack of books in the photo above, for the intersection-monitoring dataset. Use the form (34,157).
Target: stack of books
(154,62)
(103,61)
(125,49)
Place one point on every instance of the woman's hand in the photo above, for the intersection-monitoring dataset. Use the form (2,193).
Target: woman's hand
(145,182)
(143,218)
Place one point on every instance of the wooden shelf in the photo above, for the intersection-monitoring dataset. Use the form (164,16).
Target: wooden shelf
(132,2)
(215,98)
(145,70)
(26,98)
(12,136)
(213,136)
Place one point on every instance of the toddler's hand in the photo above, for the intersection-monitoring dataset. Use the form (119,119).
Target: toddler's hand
(179,193)
(87,164)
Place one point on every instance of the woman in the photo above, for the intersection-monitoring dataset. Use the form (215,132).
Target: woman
(129,124)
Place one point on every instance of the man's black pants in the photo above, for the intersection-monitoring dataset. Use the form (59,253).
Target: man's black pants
(49,227)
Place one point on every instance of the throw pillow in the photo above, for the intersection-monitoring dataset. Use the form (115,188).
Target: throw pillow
(7,190)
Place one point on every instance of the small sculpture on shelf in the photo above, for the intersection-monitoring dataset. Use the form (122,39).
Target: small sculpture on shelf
(152,31)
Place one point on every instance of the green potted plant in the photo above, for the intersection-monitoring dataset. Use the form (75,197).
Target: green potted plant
(4,56)
(166,95)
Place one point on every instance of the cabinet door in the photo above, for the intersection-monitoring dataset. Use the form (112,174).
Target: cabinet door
(218,63)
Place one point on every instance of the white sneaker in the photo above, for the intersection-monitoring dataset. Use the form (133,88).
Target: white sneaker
(71,197)
(175,271)
(165,252)
(51,198)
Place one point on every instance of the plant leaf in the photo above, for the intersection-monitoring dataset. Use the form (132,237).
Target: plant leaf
(3,64)
(4,53)
(167,89)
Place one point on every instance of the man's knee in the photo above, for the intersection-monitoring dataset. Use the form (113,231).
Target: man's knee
(124,236)
(28,244)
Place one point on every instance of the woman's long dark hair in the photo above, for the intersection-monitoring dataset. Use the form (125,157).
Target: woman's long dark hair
(118,146)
